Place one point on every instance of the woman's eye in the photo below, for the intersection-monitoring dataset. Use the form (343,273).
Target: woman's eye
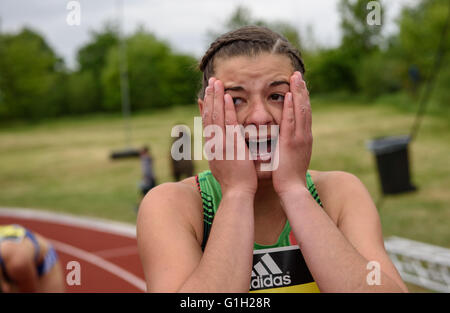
(277,97)
(238,101)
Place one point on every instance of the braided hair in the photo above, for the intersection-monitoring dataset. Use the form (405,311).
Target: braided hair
(250,41)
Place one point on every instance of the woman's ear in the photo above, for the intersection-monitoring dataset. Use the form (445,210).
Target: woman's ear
(200,106)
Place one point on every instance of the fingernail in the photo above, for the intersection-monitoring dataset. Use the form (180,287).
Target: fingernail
(210,81)
(216,85)
(297,81)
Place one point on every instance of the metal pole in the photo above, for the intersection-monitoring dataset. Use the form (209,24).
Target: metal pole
(440,53)
(124,86)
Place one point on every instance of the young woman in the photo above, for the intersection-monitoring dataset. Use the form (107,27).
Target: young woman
(236,227)
(28,262)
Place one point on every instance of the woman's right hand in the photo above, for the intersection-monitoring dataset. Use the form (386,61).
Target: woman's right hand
(218,111)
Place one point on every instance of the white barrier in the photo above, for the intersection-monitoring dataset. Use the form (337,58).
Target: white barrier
(420,263)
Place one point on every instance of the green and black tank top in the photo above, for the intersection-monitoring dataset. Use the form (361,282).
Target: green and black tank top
(276,268)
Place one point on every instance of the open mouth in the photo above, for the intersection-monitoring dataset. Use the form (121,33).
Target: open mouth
(261,148)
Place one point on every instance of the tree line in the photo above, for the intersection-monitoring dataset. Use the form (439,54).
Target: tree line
(36,84)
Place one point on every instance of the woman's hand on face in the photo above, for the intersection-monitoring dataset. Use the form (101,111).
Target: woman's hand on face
(294,145)
(219,111)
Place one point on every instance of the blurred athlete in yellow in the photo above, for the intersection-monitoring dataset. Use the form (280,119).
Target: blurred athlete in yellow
(28,262)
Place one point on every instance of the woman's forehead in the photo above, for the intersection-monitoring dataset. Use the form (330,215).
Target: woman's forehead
(260,69)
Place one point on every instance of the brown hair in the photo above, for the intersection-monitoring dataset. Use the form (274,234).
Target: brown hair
(250,41)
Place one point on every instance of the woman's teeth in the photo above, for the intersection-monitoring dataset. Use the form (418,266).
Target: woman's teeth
(260,148)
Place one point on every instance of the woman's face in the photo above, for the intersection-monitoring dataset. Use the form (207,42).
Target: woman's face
(257,85)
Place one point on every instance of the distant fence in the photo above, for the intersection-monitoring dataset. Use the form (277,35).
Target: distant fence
(420,263)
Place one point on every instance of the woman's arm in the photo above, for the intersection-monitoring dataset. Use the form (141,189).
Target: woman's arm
(169,244)
(227,260)
(338,258)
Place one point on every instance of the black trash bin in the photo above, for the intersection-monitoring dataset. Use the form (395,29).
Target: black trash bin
(393,163)
(126,153)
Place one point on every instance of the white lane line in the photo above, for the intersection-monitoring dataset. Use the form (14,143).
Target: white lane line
(95,224)
(117,252)
(100,262)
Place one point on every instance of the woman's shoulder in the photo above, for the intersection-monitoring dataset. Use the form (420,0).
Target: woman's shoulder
(171,200)
(185,186)
(184,191)
(334,188)
(331,177)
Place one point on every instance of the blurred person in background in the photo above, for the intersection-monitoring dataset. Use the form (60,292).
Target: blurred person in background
(28,262)
(148,175)
(183,168)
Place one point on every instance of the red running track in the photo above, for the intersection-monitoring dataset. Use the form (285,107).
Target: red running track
(106,251)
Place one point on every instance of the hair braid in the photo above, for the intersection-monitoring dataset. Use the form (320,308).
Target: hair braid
(248,40)
(227,40)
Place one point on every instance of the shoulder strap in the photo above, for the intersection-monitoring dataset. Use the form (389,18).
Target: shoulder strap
(312,189)
(208,213)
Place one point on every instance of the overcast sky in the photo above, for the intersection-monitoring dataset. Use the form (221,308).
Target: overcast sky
(184,23)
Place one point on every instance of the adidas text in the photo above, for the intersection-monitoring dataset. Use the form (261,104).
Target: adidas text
(267,274)
(270,281)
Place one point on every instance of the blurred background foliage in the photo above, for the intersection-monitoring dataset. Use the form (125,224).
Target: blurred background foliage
(368,64)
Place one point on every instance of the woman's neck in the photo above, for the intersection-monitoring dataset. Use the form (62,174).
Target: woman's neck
(267,202)
(270,218)
(266,199)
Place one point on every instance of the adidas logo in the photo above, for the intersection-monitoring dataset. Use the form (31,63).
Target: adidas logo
(268,274)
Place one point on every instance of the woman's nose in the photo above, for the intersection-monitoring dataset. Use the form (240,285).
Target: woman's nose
(258,113)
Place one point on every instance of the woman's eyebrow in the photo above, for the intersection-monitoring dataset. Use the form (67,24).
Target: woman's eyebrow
(279,82)
(272,84)
(236,88)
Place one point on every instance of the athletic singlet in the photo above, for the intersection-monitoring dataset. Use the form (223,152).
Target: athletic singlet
(18,233)
(276,268)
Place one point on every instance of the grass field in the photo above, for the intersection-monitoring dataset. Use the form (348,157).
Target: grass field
(62,165)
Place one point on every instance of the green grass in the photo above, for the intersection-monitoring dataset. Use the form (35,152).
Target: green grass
(63,165)
(340,144)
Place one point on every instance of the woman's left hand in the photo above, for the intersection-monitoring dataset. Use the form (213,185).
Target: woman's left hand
(295,140)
